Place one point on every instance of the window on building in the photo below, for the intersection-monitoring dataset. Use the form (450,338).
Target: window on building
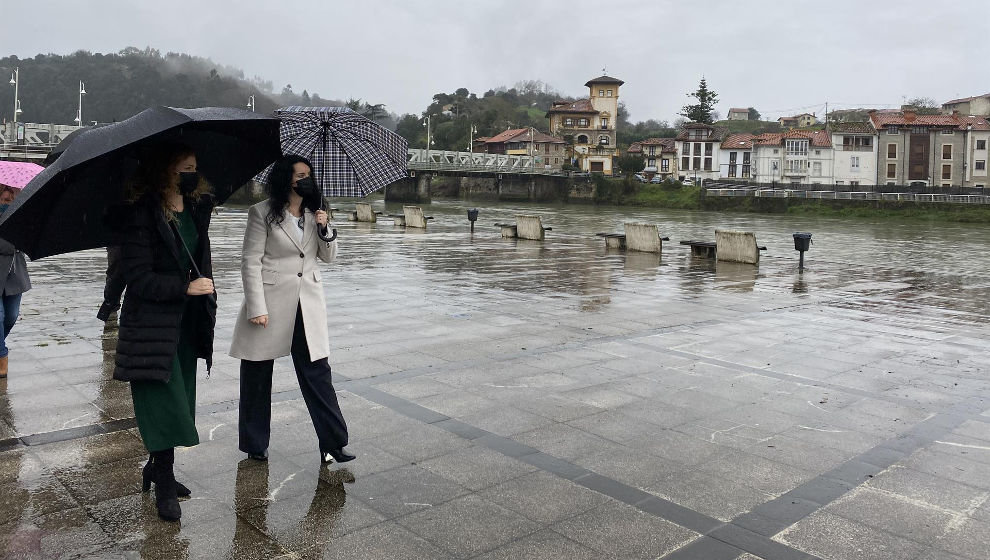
(708,149)
(568,122)
(981,165)
(582,122)
(947,171)
(892,151)
(891,183)
(816,169)
(582,139)
(684,162)
(604,123)
(745,158)
(797,147)
(651,163)
(708,164)
(653,150)
(854,163)
(601,93)
(893,130)
(732,158)
(981,144)
(745,170)
(919,130)
(946,151)
(665,165)
(865,141)
(891,170)
(776,150)
(732,170)
(603,140)
(609,92)
(948,132)
(774,166)
(697,163)
(697,149)
(854,183)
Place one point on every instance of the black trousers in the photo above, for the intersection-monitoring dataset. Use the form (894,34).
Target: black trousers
(254,422)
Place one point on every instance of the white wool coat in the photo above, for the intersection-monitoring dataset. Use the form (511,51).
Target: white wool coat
(279,275)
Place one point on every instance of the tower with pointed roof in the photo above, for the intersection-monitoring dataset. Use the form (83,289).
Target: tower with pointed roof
(589,124)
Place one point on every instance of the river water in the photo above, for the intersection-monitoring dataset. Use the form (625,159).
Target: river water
(906,266)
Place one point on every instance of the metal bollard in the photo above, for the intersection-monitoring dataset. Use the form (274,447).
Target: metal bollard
(802,242)
(472,217)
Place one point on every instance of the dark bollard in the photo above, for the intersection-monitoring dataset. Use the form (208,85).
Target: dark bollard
(802,242)
(472,217)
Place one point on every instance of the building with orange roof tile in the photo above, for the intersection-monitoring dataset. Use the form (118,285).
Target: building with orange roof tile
(589,124)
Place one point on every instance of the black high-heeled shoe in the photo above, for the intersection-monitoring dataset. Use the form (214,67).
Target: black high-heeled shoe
(146,480)
(166,499)
(338,455)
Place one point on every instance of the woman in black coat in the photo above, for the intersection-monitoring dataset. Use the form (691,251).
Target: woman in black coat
(169,311)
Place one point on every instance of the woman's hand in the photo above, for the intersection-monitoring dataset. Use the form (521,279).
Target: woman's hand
(200,287)
(321,218)
(260,320)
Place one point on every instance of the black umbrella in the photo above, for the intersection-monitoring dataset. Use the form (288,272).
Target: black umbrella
(63,208)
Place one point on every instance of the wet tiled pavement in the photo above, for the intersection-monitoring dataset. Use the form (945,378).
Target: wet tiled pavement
(514,399)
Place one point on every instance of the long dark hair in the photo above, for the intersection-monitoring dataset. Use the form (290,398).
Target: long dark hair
(154,176)
(280,185)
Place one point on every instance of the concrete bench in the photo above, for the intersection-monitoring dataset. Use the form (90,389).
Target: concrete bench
(637,237)
(400,219)
(526,227)
(704,249)
(729,246)
(414,217)
(644,237)
(613,240)
(351,215)
(737,246)
(364,213)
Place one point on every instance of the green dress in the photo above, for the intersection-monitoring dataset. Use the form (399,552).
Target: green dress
(166,412)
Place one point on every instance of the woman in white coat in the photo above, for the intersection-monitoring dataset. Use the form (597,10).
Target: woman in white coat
(284,311)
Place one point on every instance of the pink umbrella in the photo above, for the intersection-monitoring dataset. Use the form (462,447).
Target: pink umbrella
(17,174)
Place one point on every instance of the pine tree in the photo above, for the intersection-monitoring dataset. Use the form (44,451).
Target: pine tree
(702,110)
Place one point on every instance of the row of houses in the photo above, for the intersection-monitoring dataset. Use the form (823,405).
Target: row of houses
(890,148)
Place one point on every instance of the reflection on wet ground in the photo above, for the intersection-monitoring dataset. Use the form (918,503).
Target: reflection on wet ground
(513,398)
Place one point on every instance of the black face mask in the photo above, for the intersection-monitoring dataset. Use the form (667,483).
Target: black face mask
(310,193)
(188,181)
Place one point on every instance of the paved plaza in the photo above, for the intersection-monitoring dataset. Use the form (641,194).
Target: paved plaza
(537,400)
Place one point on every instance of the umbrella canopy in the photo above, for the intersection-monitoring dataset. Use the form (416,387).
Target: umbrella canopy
(60,148)
(18,174)
(351,155)
(62,209)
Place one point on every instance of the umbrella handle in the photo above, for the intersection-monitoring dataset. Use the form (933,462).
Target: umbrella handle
(321,232)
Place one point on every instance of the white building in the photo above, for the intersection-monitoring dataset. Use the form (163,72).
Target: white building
(698,147)
(797,157)
(854,147)
(736,155)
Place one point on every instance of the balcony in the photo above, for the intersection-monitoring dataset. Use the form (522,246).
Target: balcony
(850,148)
(795,172)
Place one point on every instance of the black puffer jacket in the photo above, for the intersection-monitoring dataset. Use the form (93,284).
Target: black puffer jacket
(151,315)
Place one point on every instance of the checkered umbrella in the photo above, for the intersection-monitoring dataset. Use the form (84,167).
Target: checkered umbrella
(351,155)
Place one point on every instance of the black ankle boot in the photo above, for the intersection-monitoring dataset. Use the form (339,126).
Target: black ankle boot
(338,455)
(166,497)
(146,480)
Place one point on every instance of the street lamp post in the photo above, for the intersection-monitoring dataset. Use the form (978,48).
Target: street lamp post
(250,103)
(15,80)
(427,138)
(82,92)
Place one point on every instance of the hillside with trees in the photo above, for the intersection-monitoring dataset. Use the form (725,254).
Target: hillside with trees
(122,84)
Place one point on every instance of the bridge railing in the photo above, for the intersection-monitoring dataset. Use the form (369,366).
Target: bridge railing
(469,162)
(851,195)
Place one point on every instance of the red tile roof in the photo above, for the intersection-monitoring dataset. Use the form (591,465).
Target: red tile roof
(718,133)
(965,99)
(817,138)
(898,118)
(739,141)
(635,148)
(523,135)
(666,144)
(579,106)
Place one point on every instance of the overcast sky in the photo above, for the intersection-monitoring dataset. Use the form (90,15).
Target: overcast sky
(782,57)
